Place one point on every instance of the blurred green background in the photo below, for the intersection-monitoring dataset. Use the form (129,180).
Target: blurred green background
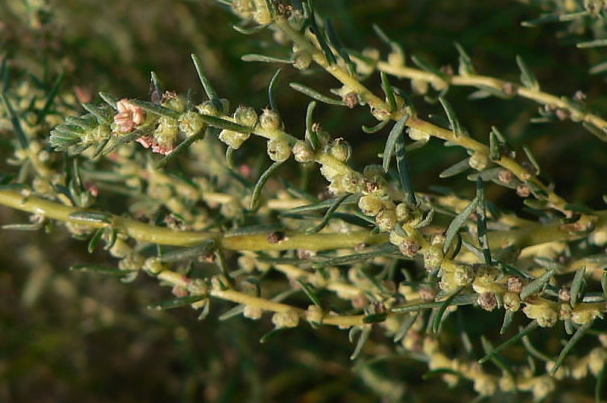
(71,337)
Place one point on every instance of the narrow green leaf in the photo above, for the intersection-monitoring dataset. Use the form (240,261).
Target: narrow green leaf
(273,82)
(508,316)
(310,135)
(393,137)
(523,332)
(457,223)
(184,145)
(404,329)
(532,159)
(261,182)
(230,313)
(21,227)
(592,44)
(364,336)
(496,358)
(527,77)
(441,310)
(178,302)
(402,163)
(156,109)
(328,214)
(352,199)
(109,99)
(453,121)
(577,286)
(385,84)
(194,252)
(271,334)
(534,351)
(206,84)
(375,317)
(103,114)
(220,123)
(249,30)
(95,239)
(312,93)
(572,342)
(100,270)
(554,18)
(465,64)
(455,169)
(496,146)
(467,299)
(50,98)
(23,142)
(337,45)
(481,223)
(376,128)
(310,292)
(252,57)
(604,284)
(91,216)
(426,66)
(536,285)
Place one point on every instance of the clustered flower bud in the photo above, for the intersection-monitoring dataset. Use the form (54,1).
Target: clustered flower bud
(129,116)
(245,116)
(340,150)
(190,123)
(478,161)
(279,149)
(165,135)
(233,138)
(302,152)
(270,120)
(288,318)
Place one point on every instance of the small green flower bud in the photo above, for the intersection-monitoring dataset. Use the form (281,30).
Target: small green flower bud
(252,312)
(279,149)
(289,318)
(385,220)
(463,275)
(340,150)
(165,135)
(302,152)
(597,360)
(244,8)
(208,108)
(408,214)
(270,120)
(245,116)
(120,248)
(433,256)
(314,314)
(173,101)
(512,301)
(301,60)
(543,312)
(370,205)
(190,123)
(232,138)
(478,161)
